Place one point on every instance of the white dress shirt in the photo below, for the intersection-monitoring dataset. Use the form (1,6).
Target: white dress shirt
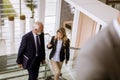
(116,26)
(56,56)
(34,35)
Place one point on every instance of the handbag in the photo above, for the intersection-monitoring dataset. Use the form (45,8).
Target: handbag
(25,61)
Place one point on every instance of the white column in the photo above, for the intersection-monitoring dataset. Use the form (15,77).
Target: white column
(58,14)
(31,22)
(75,27)
(11,36)
(11,30)
(22,27)
(41,11)
(74,36)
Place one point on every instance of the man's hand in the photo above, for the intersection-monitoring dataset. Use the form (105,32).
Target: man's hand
(49,45)
(20,65)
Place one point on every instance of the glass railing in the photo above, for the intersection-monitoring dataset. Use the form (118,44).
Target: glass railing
(8,64)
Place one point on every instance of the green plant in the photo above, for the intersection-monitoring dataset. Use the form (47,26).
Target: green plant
(31,5)
(7,6)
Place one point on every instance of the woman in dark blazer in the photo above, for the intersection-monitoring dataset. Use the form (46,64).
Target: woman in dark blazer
(60,46)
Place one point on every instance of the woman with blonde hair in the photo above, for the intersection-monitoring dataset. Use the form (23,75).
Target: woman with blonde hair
(60,46)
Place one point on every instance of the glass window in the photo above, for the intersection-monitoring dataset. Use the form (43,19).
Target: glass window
(50,19)
(50,16)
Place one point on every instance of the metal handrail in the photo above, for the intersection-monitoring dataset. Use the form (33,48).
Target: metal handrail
(75,48)
(47,34)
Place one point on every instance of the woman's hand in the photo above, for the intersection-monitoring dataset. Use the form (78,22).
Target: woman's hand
(49,45)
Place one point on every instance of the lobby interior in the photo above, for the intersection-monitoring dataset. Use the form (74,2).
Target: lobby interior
(82,20)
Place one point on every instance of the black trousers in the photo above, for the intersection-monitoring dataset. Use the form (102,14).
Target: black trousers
(33,70)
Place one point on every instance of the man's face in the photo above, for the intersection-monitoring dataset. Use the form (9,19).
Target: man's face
(38,29)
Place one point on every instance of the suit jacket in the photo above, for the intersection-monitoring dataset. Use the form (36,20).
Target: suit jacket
(28,48)
(64,52)
(99,59)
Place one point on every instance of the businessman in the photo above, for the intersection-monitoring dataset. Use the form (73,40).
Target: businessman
(99,59)
(33,47)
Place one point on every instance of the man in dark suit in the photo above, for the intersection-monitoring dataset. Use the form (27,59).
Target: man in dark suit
(33,47)
(99,59)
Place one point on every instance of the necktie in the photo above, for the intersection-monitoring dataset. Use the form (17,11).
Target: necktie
(37,46)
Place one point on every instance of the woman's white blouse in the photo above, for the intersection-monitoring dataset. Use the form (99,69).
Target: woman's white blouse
(56,56)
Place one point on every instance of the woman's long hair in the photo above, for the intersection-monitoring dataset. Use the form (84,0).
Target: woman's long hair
(63,32)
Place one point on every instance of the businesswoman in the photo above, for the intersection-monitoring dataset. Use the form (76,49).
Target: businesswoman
(60,45)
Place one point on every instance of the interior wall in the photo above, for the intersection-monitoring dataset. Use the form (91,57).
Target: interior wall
(86,29)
